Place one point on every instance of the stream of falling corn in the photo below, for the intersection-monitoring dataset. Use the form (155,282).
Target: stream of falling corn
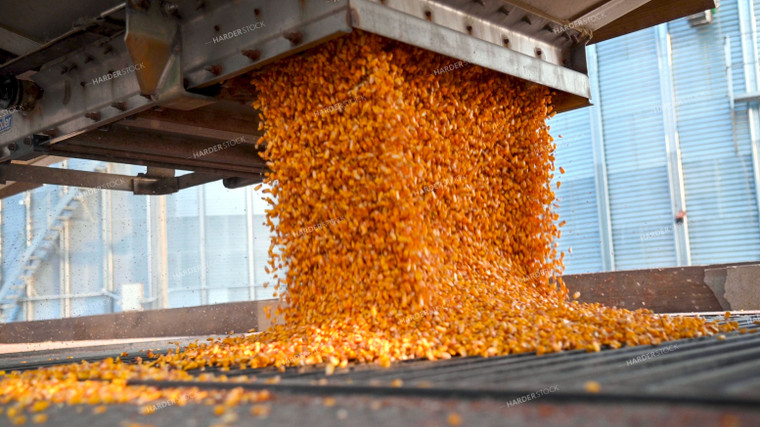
(413,218)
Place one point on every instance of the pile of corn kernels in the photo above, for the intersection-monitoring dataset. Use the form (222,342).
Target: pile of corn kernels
(412,218)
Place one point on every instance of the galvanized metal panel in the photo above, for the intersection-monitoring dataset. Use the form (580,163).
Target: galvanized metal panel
(261,239)
(41,207)
(129,228)
(184,249)
(226,244)
(47,277)
(635,152)
(600,166)
(672,148)
(86,254)
(14,240)
(577,196)
(226,251)
(720,188)
(14,232)
(47,282)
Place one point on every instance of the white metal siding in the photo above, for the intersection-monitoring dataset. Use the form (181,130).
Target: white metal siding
(635,152)
(720,188)
(184,249)
(577,194)
(226,243)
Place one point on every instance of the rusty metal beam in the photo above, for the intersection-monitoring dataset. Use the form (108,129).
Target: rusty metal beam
(138,185)
(56,176)
(187,321)
(11,189)
(221,121)
(662,290)
(123,145)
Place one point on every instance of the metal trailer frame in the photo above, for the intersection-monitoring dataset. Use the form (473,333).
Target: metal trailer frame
(161,80)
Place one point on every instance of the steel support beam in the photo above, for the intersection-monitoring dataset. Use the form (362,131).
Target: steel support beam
(15,43)
(150,227)
(70,296)
(250,240)
(37,56)
(672,146)
(124,145)
(39,174)
(158,251)
(63,265)
(202,245)
(217,49)
(110,78)
(11,189)
(509,26)
(172,185)
(163,250)
(66,260)
(176,55)
(600,167)
(106,225)
(75,100)
(83,91)
(29,281)
(543,66)
(137,185)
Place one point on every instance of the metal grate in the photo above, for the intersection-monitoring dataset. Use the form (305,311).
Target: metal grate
(703,370)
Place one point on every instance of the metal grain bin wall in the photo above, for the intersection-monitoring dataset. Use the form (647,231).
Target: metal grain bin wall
(127,225)
(721,197)
(635,151)
(577,197)
(185,270)
(670,143)
(85,251)
(226,239)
